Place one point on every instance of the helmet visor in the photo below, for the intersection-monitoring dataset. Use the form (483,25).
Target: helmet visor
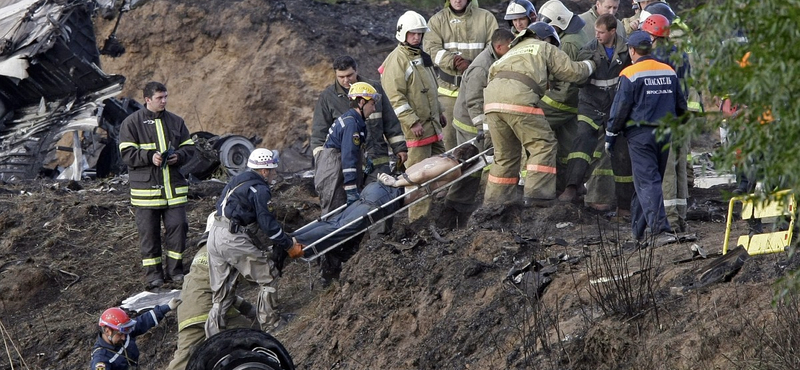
(127,327)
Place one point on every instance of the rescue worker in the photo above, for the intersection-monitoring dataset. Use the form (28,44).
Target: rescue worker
(560,102)
(193,312)
(648,92)
(610,55)
(154,143)
(382,125)
(599,8)
(115,348)
(675,184)
(517,83)
(458,33)
(519,14)
(633,22)
(339,173)
(244,206)
(409,80)
(470,122)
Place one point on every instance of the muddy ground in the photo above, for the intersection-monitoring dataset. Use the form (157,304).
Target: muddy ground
(406,301)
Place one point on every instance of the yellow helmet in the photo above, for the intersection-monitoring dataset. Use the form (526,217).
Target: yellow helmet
(362,90)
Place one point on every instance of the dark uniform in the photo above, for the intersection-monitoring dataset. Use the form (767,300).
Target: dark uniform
(157,192)
(242,207)
(382,126)
(108,357)
(648,91)
(339,163)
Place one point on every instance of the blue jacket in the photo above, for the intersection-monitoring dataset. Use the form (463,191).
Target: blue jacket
(683,68)
(347,134)
(249,203)
(106,356)
(648,91)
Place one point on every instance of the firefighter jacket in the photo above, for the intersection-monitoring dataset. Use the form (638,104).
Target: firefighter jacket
(143,134)
(409,81)
(518,80)
(648,91)
(382,126)
(468,112)
(590,16)
(109,357)
(562,94)
(450,35)
(248,203)
(598,93)
(347,134)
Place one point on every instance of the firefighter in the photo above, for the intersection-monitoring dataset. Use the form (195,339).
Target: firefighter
(115,348)
(339,174)
(519,14)
(154,143)
(409,80)
(458,33)
(560,102)
(469,122)
(649,91)
(517,83)
(382,125)
(193,311)
(594,105)
(242,208)
(599,8)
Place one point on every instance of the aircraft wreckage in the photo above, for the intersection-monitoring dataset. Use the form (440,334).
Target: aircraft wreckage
(56,102)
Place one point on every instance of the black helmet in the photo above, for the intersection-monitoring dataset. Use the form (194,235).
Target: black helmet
(543,31)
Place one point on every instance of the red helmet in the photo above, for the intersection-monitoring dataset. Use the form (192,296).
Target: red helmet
(656,25)
(115,318)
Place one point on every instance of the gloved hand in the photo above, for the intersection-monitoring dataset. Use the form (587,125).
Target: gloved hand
(278,257)
(609,146)
(173,303)
(443,120)
(460,63)
(480,137)
(352,196)
(296,250)
(368,166)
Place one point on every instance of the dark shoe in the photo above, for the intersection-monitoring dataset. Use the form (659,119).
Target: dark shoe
(601,207)
(569,194)
(157,283)
(538,202)
(178,279)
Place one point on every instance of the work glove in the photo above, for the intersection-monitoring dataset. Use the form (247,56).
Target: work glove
(480,137)
(173,303)
(352,196)
(443,120)
(609,146)
(460,63)
(296,250)
(278,257)
(369,167)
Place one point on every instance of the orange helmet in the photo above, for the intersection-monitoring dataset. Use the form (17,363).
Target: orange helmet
(115,318)
(656,25)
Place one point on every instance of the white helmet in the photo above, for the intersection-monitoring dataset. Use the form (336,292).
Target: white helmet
(520,9)
(555,14)
(263,158)
(410,21)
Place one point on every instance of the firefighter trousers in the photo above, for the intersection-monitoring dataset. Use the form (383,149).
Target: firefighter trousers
(417,154)
(533,132)
(148,222)
(449,132)
(565,126)
(676,187)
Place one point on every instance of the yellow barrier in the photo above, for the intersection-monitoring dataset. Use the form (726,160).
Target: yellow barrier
(769,242)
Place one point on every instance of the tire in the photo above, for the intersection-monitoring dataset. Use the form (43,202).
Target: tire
(233,153)
(241,349)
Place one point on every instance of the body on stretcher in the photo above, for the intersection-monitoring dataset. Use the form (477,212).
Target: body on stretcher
(377,214)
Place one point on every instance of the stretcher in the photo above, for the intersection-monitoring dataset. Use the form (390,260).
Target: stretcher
(476,163)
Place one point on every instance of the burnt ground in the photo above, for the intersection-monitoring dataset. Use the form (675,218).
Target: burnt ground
(410,300)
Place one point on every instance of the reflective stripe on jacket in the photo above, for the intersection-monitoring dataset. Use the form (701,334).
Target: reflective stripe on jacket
(411,89)
(648,91)
(450,35)
(562,94)
(597,95)
(382,126)
(535,59)
(142,134)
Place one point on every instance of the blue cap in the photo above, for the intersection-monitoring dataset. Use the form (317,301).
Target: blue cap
(639,39)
